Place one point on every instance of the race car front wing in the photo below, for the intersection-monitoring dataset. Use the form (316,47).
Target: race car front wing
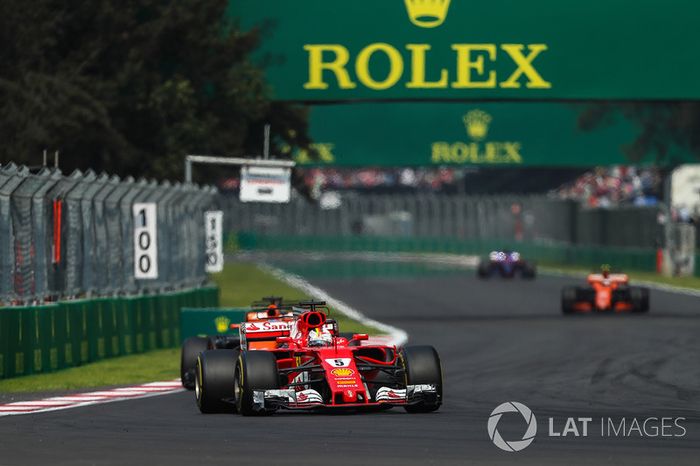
(311,399)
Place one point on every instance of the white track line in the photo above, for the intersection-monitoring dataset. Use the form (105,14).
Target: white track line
(78,400)
(396,336)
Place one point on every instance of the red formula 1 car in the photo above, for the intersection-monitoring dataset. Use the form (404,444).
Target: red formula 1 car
(605,292)
(305,364)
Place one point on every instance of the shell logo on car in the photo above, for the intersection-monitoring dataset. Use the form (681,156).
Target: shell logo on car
(343,372)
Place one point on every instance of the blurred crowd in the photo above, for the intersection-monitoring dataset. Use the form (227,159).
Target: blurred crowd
(384,179)
(373,180)
(614,186)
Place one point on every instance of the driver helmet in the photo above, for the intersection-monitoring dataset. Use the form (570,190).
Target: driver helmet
(273,310)
(320,337)
(605,270)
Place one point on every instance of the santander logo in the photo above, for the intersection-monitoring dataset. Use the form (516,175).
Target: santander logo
(267,326)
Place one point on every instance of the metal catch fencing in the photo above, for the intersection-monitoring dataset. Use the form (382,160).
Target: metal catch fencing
(70,236)
(532,218)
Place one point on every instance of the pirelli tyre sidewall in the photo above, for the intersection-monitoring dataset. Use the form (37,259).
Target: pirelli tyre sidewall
(639,296)
(569,295)
(484,269)
(214,381)
(528,270)
(188,359)
(422,366)
(255,370)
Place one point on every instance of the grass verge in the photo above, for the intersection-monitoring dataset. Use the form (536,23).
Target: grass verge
(243,283)
(134,369)
(240,284)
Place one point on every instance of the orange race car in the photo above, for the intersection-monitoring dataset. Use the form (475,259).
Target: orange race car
(605,292)
(270,308)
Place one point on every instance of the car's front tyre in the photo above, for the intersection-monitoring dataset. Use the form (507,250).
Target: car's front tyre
(191,348)
(422,366)
(255,370)
(214,377)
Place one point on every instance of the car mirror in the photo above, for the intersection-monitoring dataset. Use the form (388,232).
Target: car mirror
(360,336)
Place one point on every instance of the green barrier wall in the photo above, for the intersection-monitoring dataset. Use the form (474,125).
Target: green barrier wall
(210,321)
(36,339)
(641,259)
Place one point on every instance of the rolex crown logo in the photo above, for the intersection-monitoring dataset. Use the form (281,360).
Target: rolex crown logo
(222,324)
(427,13)
(477,124)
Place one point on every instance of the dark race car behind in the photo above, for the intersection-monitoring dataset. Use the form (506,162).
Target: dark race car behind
(507,264)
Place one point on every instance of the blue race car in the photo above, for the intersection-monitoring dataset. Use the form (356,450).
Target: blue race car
(507,264)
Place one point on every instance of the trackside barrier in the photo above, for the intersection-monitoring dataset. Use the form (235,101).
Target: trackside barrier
(210,321)
(49,337)
(641,259)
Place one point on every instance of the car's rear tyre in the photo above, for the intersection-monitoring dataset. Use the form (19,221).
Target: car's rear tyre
(422,366)
(255,370)
(568,299)
(529,271)
(188,359)
(214,377)
(483,270)
(639,296)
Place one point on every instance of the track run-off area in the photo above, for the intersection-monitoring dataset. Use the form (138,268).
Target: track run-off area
(499,340)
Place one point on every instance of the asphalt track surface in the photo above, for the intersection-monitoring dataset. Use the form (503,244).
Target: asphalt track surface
(499,341)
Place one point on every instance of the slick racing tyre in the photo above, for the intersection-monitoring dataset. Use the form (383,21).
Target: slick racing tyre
(214,377)
(568,299)
(255,370)
(422,366)
(188,359)
(529,271)
(483,270)
(639,296)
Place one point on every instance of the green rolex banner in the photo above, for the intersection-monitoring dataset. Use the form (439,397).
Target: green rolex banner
(320,50)
(450,133)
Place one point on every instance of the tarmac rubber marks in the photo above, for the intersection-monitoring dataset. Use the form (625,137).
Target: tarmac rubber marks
(77,400)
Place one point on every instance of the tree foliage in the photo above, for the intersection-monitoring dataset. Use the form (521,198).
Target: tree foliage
(664,127)
(131,86)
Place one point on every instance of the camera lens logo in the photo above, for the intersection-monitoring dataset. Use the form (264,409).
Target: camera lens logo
(513,445)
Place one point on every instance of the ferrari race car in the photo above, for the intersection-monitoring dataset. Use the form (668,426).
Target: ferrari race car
(270,307)
(605,292)
(507,264)
(304,364)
